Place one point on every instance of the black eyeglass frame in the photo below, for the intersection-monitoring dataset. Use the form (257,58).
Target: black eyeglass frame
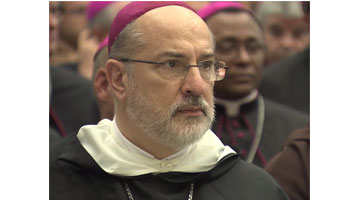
(161,63)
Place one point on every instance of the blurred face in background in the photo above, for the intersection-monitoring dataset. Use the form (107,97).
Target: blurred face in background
(73,22)
(54,17)
(239,42)
(284,36)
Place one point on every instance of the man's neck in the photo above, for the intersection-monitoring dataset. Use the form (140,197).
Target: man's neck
(140,139)
(232,107)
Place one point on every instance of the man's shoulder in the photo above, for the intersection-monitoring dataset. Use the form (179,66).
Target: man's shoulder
(72,99)
(68,84)
(275,109)
(282,120)
(72,171)
(243,172)
(61,77)
(57,147)
(289,67)
(245,181)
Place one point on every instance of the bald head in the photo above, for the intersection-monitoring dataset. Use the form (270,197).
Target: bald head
(164,23)
(164,16)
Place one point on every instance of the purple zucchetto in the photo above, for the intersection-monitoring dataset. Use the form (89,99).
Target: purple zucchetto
(212,8)
(103,44)
(134,10)
(94,7)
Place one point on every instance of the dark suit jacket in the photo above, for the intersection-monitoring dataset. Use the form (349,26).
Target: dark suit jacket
(72,99)
(238,132)
(288,82)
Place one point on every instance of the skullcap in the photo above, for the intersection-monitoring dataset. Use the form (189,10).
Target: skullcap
(212,8)
(103,43)
(134,10)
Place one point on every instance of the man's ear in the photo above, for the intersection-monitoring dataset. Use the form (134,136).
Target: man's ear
(101,84)
(117,78)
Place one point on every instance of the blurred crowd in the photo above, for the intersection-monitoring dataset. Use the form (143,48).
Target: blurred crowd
(262,105)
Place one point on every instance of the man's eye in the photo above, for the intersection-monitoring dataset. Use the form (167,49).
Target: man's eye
(172,63)
(276,31)
(299,33)
(206,65)
(227,46)
(253,47)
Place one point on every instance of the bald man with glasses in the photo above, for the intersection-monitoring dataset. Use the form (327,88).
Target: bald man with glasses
(161,70)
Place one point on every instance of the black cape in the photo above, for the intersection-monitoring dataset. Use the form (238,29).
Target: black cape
(75,175)
(238,132)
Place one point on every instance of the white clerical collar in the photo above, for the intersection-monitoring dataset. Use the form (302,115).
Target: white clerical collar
(232,108)
(109,152)
(132,147)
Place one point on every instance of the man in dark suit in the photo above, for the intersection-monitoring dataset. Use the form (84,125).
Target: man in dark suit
(256,126)
(72,101)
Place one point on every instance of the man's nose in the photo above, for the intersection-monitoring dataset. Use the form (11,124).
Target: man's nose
(288,41)
(193,83)
(242,55)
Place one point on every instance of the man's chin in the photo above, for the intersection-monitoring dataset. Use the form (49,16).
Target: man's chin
(191,122)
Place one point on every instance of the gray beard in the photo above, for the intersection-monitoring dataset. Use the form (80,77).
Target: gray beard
(162,125)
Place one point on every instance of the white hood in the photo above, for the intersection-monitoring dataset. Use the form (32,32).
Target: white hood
(112,156)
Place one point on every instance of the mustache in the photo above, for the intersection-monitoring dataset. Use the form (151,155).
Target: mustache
(191,101)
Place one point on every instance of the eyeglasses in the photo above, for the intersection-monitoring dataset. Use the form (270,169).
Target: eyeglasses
(212,70)
(231,49)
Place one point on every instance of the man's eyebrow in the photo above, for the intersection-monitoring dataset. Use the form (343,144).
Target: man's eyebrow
(207,56)
(173,54)
(253,39)
(170,54)
(227,39)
